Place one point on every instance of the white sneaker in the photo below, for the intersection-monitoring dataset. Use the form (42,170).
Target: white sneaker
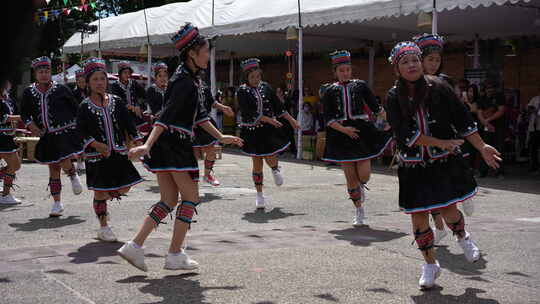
(180,261)
(359,217)
(9,200)
(106,234)
(468,207)
(57,209)
(259,201)
(439,235)
(76,184)
(278,176)
(430,272)
(134,256)
(470,250)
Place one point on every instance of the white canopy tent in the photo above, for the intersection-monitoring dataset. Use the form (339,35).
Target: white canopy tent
(324,22)
(248,29)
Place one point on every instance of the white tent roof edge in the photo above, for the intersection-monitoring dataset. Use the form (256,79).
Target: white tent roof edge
(134,34)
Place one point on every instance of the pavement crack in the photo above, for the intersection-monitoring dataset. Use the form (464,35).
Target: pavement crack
(68,288)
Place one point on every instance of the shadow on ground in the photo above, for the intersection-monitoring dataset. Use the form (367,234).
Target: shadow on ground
(36,224)
(182,288)
(261,216)
(364,236)
(435,296)
(92,252)
(457,263)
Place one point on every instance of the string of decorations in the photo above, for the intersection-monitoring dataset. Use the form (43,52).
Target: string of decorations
(45,15)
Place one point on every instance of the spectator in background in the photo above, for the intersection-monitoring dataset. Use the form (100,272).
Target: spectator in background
(229,100)
(307,122)
(462,87)
(289,131)
(219,114)
(471,99)
(533,109)
(309,97)
(491,111)
(319,109)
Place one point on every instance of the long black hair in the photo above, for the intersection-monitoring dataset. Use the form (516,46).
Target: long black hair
(421,98)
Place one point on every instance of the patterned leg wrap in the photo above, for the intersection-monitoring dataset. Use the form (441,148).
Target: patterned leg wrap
(209,164)
(185,211)
(71,172)
(8,182)
(355,194)
(55,185)
(424,240)
(258,179)
(458,227)
(2,172)
(159,212)
(100,208)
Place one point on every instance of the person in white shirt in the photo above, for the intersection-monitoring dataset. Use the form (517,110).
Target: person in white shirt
(307,118)
(534,131)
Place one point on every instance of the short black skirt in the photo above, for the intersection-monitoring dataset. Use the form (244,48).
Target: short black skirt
(435,186)
(113,173)
(371,142)
(202,138)
(172,152)
(264,140)
(8,144)
(55,147)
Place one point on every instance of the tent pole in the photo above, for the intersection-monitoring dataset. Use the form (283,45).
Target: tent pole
(299,148)
(213,87)
(371,67)
(149,67)
(476,55)
(213,70)
(99,37)
(434,22)
(231,71)
(149,49)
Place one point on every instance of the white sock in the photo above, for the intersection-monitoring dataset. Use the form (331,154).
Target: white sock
(135,245)
(260,195)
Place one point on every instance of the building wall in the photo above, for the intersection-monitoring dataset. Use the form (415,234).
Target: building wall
(521,72)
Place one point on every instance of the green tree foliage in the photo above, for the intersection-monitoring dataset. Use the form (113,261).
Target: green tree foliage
(54,32)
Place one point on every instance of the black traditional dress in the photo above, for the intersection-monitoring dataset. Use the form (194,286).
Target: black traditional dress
(79,94)
(345,103)
(183,111)
(202,138)
(261,139)
(109,125)
(133,95)
(431,178)
(7,130)
(155,99)
(54,112)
